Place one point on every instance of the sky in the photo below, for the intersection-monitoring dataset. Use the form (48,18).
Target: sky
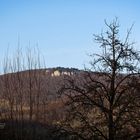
(63,29)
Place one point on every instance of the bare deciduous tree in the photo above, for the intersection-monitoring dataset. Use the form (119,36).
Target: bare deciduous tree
(103,102)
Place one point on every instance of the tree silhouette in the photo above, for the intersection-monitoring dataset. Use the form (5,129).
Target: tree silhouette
(103,102)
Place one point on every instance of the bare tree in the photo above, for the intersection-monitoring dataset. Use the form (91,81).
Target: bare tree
(103,102)
(21,90)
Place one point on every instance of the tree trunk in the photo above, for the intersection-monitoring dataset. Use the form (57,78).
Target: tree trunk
(111,126)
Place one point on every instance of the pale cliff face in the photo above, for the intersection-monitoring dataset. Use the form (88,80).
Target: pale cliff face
(55,73)
(58,72)
(67,73)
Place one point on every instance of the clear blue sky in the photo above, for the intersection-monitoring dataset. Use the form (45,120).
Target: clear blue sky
(63,29)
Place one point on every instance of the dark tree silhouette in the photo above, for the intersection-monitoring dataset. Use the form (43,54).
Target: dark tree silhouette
(103,102)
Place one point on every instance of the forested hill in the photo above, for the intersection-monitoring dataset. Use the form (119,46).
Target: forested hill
(30,98)
(32,93)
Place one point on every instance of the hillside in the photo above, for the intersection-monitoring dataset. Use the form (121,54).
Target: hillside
(32,106)
(30,93)
(31,97)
